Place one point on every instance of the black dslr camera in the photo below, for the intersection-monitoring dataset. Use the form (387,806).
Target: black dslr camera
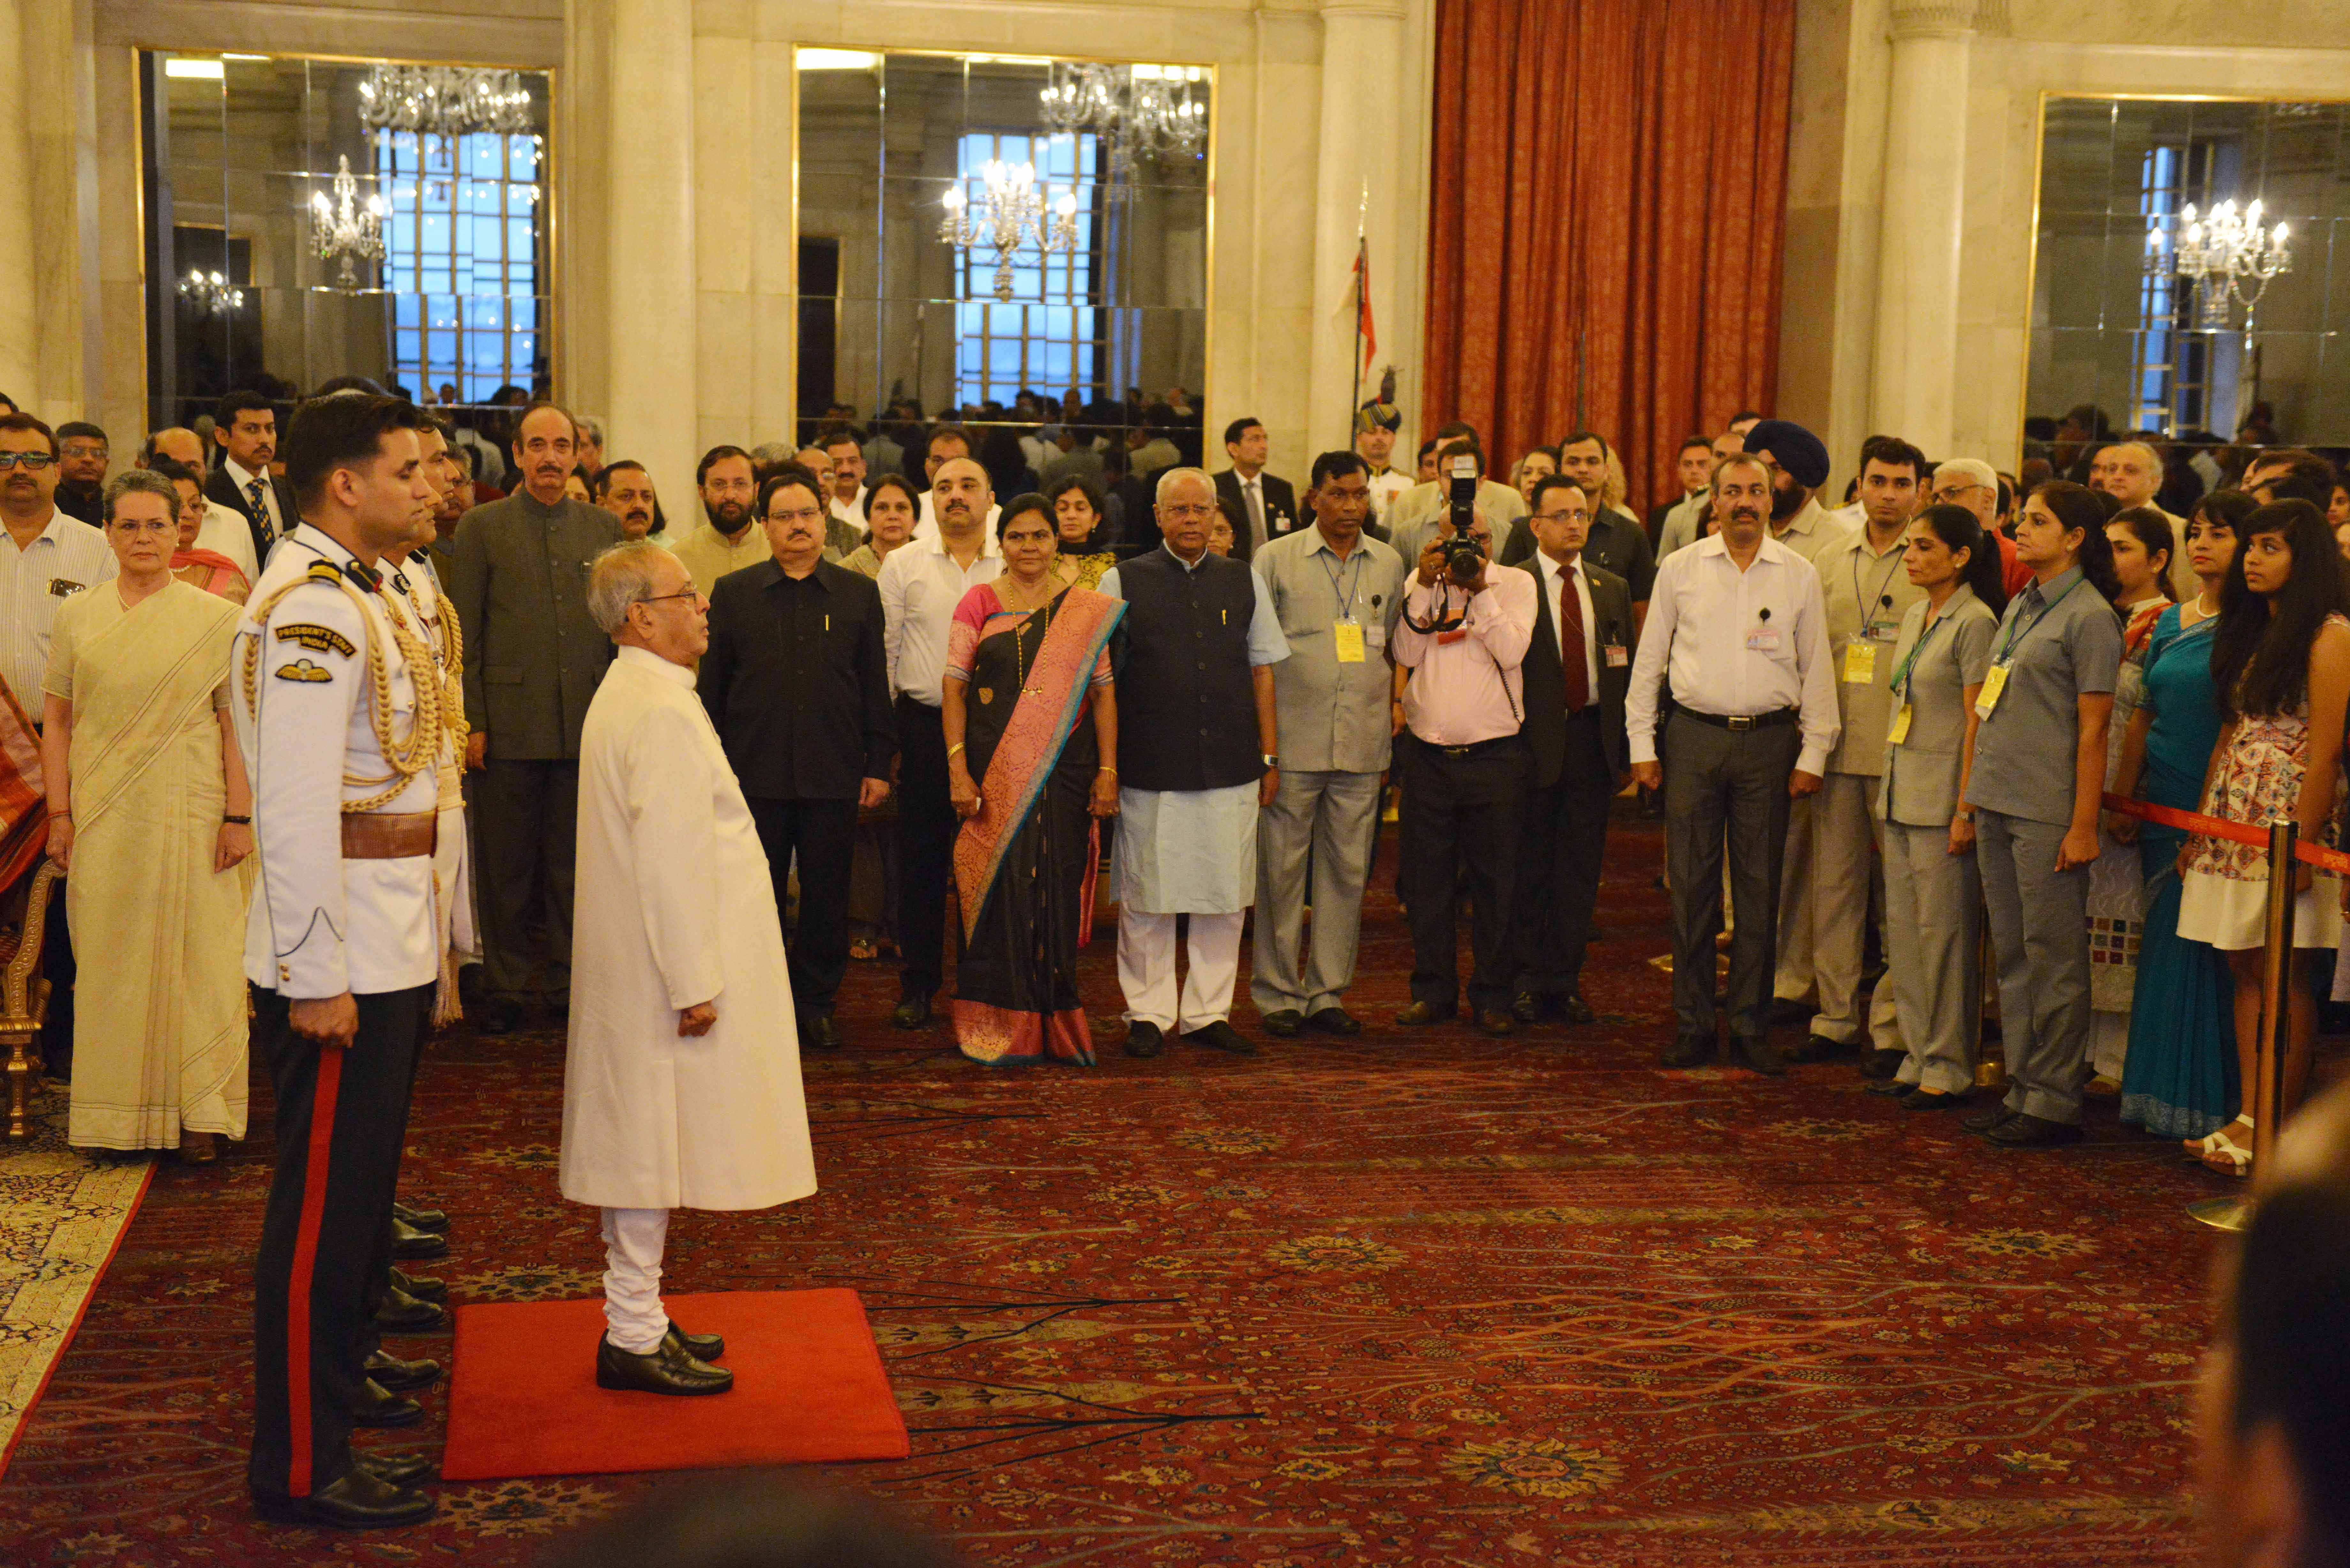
(1462,559)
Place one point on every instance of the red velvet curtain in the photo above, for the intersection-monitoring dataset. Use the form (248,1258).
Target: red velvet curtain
(1605,219)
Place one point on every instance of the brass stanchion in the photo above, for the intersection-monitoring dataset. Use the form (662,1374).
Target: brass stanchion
(2266,1090)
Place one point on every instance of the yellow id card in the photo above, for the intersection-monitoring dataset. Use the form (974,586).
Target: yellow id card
(1860,663)
(1899,730)
(1350,641)
(1994,682)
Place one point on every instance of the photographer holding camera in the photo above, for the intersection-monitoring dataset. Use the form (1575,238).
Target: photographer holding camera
(1464,631)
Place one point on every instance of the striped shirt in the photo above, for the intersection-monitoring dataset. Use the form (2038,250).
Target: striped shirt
(66,557)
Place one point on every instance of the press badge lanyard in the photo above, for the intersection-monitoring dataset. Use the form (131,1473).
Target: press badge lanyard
(1346,629)
(1995,679)
(1899,731)
(1860,654)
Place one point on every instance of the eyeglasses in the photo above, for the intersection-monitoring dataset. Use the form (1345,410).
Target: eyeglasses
(659,598)
(805,514)
(36,461)
(1562,516)
(1179,509)
(84,450)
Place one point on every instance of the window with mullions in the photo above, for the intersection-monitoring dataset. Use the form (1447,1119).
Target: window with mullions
(1050,334)
(461,243)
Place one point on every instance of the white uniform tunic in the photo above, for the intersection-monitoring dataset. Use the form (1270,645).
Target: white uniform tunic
(675,906)
(304,701)
(416,587)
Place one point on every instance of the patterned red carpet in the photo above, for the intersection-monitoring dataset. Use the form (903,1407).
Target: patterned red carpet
(1427,1299)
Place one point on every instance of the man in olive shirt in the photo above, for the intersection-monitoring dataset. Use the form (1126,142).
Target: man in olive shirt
(532,660)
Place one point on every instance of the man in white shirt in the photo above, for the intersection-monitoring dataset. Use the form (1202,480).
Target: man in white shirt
(225,530)
(1376,424)
(1685,524)
(1464,631)
(922,583)
(943,445)
(2131,472)
(847,502)
(245,427)
(1738,621)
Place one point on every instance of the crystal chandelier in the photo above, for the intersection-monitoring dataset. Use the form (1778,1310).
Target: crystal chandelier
(1137,110)
(1010,213)
(447,102)
(2229,256)
(211,293)
(346,229)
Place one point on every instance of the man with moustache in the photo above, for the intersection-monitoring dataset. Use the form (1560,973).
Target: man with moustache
(533,659)
(945,443)
(245,425)
(920,583)
(626,491)
(224,530)
(1376,423)
(847,502)
(725,542)
(453,482)
(841,534)
(1686,522)
(2131,472)
(82,455)
(1738,622)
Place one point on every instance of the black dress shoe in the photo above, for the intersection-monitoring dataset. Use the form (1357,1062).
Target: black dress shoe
(817,1033)
(408,1241)
(667,1370)
(1220,1036)
(911,1012)
(398,1469)
(403,1313)
(1496,1023)
(1574,1010)
(1932,1100)
(1526,1007)
(433,1219)
(1421,1014)
(1820,1048)
(1893,1087)
(700,1347)
(1783,1013)
(379,1407)
(356,1501)
(1690,1050)
(390,1372)
(1983,1121)
(1334,1020)
(423,1290)
(1882,1064)
(1758,1054)
(1143,1039)
(499,1015)
(2025,1130)
(1284,1023)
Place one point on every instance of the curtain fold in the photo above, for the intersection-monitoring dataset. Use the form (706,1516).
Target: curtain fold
(1607,211)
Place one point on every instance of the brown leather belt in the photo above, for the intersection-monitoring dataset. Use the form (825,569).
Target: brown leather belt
(390,835)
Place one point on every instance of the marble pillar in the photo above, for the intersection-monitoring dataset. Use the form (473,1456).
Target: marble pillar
(1915,374)
(19,304)
(649,300)
(1363,67)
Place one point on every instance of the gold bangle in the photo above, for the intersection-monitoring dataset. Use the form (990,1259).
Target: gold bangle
(1106,768)
(953,748)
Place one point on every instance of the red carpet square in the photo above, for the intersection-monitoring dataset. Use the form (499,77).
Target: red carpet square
(808,1386)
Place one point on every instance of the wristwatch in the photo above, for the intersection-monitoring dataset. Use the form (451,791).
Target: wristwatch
(1269,760)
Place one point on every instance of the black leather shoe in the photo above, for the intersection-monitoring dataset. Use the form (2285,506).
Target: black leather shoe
(1882,1064)
(403,1313)
(433,1219)
(2024,1130)
(1143,1039)
(1496,1023)
(1284,1023)
(1526,1007)
(379,1407)
(1334,1020)
(356,1501)
(817,1033)
(1754,1052)
(1820,1048)
(398,1469)
(1932,1100)
(1893,1087)
(1983,1121)
(1690,1050)
(498,1015)
(911,1012)
(1784,1012)
(700,1347)
(668,1370)
(423,1290)
(1220,1036)
(1421,1014)
(1574,1010)
(390,1372)
(406,1241)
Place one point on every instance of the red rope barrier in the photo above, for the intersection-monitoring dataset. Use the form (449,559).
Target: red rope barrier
(2316,854)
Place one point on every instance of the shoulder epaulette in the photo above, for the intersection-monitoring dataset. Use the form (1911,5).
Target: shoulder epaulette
(322,572)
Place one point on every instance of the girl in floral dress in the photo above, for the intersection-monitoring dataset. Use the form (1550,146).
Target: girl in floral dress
(2282,666)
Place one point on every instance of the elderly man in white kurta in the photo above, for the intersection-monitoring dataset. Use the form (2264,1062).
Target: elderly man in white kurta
(682,1086)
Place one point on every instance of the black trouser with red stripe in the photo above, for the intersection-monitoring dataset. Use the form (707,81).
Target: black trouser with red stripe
(342,1119)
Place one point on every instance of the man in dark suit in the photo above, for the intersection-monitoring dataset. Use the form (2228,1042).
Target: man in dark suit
(245,424)
(797,686)
(1575,735)
(1258,505)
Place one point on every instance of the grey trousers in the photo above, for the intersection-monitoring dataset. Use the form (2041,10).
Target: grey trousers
(526,821)
(1933,934)
(2039,939)
(1725,786)
(1328,820)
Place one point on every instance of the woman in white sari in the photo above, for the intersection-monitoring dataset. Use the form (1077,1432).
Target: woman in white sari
(149,814)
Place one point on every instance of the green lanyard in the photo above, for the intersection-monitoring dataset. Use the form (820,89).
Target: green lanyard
(2016,633)
(1901,676)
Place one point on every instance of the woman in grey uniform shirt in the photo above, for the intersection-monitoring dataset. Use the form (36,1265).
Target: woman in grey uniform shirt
(1933,894)
(2047,697)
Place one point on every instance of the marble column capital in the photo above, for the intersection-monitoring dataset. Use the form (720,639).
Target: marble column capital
(1947,18)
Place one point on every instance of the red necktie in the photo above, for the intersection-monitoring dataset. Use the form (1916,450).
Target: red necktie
(1570,644)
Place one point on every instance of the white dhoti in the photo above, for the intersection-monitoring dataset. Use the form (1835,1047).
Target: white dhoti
(1183,852)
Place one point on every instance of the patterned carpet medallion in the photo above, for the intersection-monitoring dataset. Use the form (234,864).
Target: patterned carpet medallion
(1425,1298)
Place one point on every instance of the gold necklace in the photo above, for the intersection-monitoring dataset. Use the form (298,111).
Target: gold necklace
(1020,653)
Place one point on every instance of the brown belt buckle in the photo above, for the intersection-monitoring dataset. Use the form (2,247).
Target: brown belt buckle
(390,835)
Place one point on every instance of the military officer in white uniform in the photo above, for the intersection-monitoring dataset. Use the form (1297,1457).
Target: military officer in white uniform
(337,711)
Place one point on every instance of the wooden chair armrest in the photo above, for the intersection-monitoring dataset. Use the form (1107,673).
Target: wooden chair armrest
(16,991)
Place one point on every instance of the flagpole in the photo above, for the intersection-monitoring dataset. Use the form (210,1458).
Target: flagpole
(1362,280)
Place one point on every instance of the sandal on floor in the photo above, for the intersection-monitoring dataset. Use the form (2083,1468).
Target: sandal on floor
(2239,1159)
(865,950)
